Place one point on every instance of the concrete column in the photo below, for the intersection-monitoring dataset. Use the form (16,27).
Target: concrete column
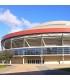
(2,62)
(10,61)
(59,62)
(23,60)
(41,60)
(63,59)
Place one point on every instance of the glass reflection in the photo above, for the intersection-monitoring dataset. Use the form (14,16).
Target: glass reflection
(42,51)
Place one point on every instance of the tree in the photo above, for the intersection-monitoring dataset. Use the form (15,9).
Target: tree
(0,56)
(6,55)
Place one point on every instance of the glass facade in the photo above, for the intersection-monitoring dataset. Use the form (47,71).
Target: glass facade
(42,51)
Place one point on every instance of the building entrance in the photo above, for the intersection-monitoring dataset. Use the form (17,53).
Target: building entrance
(35,61)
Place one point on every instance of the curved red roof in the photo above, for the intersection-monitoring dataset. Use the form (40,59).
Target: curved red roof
(36,31)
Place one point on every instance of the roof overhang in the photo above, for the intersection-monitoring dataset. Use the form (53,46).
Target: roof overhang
(36,31)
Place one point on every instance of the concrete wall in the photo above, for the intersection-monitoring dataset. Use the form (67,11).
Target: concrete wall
(17,60)
(52,59)
(56,60)
(47,59)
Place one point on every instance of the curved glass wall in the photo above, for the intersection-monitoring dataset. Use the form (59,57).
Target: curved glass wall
(42,51)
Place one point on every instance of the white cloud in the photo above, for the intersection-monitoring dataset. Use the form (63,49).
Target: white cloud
(8,18)
(27,23)
(13,22)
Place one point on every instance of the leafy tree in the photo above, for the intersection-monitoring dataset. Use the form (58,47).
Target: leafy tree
(0,56)
(6,55)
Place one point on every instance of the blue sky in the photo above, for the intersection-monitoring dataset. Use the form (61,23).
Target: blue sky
(34,14)
(16,18)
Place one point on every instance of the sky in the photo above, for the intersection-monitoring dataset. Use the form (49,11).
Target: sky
(15,18)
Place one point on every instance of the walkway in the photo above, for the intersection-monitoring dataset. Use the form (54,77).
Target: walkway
(34,69)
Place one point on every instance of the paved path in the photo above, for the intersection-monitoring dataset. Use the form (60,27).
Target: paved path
(30,69)
(3,70)
(47,72)
(15,68)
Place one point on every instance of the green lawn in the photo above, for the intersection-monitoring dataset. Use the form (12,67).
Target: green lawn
(2,66)
(65,69)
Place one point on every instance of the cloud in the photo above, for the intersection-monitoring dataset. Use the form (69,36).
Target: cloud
(27,23)
(13,22)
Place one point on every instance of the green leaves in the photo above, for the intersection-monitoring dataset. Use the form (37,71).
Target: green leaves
(5,56)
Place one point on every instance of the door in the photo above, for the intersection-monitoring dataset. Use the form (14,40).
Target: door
(35,61)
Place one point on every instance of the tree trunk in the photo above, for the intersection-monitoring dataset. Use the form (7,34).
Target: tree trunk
(6,63)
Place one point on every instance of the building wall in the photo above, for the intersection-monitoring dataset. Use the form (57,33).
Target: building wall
(17,60)
(52,59)
(47,59)
(56,60)
(25,60)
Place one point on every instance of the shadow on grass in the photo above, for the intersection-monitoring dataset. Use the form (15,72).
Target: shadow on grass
(43,72)
(65,69)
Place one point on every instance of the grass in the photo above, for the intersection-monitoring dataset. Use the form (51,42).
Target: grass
(65,69)
(2,66)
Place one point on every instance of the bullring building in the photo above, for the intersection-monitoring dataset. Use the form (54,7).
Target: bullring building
(47,43)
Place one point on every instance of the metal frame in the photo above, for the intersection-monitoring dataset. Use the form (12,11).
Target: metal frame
(24,38)
(43,44)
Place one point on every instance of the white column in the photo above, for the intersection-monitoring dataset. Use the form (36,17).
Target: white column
(10,61)
(2,62)
(42,41)
(23,60)
(63,59)
(4,45)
